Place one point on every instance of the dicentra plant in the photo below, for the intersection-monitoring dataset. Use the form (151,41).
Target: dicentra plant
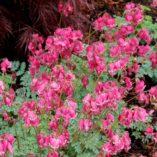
(77,99)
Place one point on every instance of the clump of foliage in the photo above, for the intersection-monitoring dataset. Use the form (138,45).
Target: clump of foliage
(79,99)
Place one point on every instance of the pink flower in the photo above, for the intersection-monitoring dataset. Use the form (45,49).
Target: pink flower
(126,117)
(96,47)
(85,125)
(29,116)
(117,66)
(144,35)
(53,125)
(130,6)
(151,112)
(125,30)
(54,154)
(55,86)
(99,24)
(85,81)
(6,142)
(134,69)
(95,58)
(67,112)
(143,50)
(115,51)
(1,87)
(149,131)
(6,64)
(107,147)
(126,141)
(54,142)
(9,97)
(35,45)
(107,95)
(153,92)
(143,98)
(153,59)
(43,140)
(31,119)
(64,139)
(139,114)
(107,122)
(116,144)
(78,47)
(105,20)
(134,14)
(128,83)
(5,116)
(140,86)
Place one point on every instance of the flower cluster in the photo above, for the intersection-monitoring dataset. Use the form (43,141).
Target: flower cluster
(53,141)
(64,43)
(1,88)
(134,14)
(105,21)
(117,66)
(150,132)
(9,97)
(6,142)
(107,122)
(60,136)
(153,92)
(27,112)
(5,65)
(128,116)
(117,144)
(95,57)
(51,87)
(144,35)
(124,31)
(153,59)
(139,89)
(124,47)
(85,81)
(85,124)
(106,96)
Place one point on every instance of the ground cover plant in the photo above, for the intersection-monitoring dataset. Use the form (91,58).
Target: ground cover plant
(80,99)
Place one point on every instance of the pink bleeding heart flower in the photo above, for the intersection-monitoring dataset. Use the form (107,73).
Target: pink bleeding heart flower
(139,114)
(9,97)
(5,116)
(54,154)
(5,65)
(1,87)
(144,35)
(85,124)
(149,131)
(140,86)
(85,81)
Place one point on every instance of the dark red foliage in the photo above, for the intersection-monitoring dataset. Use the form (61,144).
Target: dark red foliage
(5,25)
